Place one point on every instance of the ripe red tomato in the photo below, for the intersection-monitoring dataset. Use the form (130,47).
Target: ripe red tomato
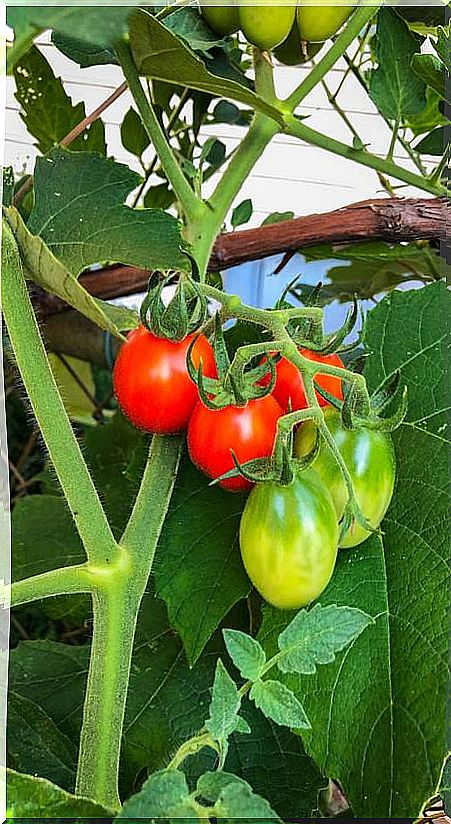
(249,430)
(151,381)
(289,387)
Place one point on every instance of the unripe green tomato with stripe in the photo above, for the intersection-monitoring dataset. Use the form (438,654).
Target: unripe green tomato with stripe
(267,25)
(317,23)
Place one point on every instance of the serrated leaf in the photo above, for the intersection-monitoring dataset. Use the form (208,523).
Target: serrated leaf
(133,134)
(46,109)
(279,704)
(93,25)
(432,72)
(200,531)
(161,796)
(245,652)
(224,706)
(159,54)
(430,116)
(242,726)
(31,797)
(234,798)
(79,212)
(386,728)
(242,213)
(394,87)
(314,636)
(35,745)
(45,269)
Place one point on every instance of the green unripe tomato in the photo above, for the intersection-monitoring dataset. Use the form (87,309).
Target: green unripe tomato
(317,23)
(289,540)
(267,25)
(370,458)
(223,20)
(291,53)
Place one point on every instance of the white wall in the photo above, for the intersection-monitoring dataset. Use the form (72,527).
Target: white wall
(290,175)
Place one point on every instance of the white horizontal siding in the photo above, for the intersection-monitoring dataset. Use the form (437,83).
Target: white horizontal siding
(291,175)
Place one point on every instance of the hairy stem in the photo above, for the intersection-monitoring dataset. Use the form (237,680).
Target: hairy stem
(64,581)
(117,597)
(48,407)
(190,204)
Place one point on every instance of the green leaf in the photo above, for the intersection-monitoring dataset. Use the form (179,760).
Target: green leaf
(236,800)
(35,744)
(242,726)
(133,134)
(279,703)
(225,703)
(81,52)
(200,532)
(31,797)
(92,25)
(45,269)
(44,538)
(277,217)
(191,26)
(79,212)
(430,116)
(162,795)
(385,727)
(394,87)
(275,764)
(159,197)
(245,652)
(226,112)
(434,143)
(160,54)
(46,109)
(432,72)
(314,636)
(242,213)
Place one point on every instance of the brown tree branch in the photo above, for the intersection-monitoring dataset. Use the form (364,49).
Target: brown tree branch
(392,220)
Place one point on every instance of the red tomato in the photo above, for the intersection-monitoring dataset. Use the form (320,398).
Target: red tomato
(151,381)
(249,430)
(289,387)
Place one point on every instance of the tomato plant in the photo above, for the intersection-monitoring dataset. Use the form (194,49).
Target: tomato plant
(140,634)
(370,458)
(289,540)
(249,431)
(151,380)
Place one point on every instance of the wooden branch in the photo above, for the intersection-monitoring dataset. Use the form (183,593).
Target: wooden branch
(392,220)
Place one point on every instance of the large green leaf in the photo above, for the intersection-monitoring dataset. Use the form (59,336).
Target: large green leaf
(198,569)
(35,744)
(47,110)
(377,726)
(160,54)
(82,52)
(79,212)
(191,26)
(91,24)
(394,87)
(44,269)
(432,72)
(30,797)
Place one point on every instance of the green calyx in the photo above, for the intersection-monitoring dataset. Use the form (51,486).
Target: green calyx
(229,388)
(186,311)
(358,409)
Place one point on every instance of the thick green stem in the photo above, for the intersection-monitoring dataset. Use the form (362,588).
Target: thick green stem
(117,598)
(388,167)
(190,204)
(64,581)
(49,409)
(354,26)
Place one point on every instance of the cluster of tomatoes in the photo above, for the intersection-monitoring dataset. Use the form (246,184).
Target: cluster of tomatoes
(295,32)
(289,535)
